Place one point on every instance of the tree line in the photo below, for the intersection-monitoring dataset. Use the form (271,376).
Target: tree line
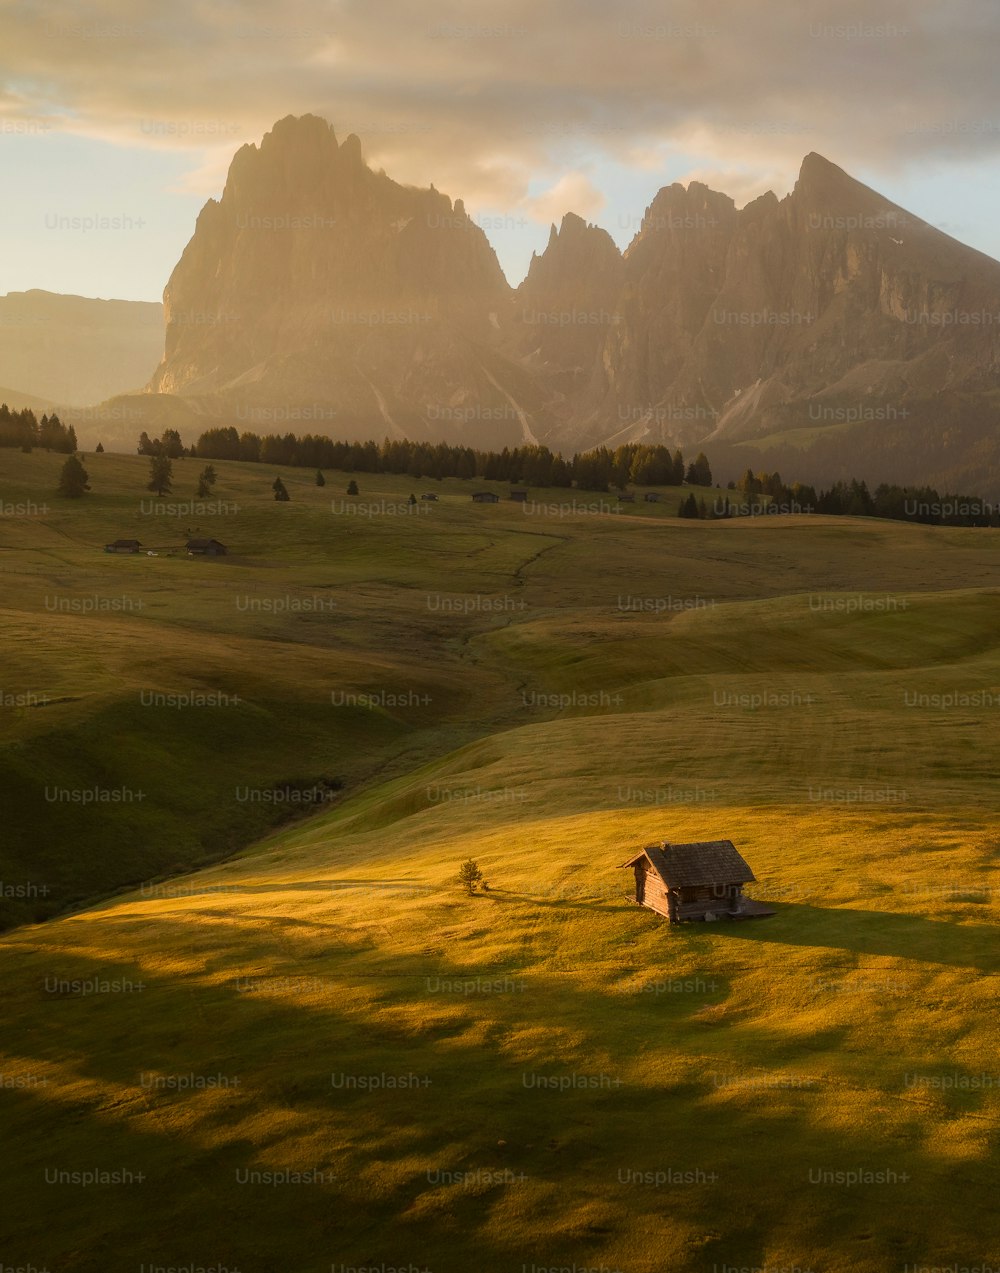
(600,469)
(761,494)
(596,470)
(23,429)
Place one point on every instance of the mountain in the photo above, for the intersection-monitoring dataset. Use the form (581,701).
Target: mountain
(831,329)
(318,294)
(18,401)
(790,315)
(562,311)
(72,349)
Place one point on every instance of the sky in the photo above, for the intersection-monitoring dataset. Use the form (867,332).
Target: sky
(117,123)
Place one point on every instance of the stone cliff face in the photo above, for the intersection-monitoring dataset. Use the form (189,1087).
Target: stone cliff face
(833,291)
(317,291)
(321,295)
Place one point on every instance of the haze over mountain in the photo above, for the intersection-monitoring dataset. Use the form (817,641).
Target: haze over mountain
(72,349)
(832,327)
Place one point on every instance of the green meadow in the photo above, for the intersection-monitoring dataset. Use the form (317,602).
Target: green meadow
(272,1034)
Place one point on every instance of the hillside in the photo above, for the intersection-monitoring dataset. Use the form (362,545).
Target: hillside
(18,401)
(75,350)
(543,1075)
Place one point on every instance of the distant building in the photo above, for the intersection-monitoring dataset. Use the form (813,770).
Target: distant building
(485,497)
(519,496)
(123,546)
(206,548)
(626,498)
(428,495)
(694,881)
(652,497)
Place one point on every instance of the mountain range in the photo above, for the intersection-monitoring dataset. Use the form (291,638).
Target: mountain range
(830,331)
(58,350)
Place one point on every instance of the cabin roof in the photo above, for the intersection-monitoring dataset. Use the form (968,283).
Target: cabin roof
(125,543)
(203,543)
(704,862)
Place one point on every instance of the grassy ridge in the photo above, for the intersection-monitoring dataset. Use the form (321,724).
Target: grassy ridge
(542,1075)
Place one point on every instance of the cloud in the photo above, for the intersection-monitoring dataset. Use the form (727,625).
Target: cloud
(490,104)
(574,192)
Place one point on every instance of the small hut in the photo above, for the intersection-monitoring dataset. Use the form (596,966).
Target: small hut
(486,497)
(206,548)
(123,546)
(702,881)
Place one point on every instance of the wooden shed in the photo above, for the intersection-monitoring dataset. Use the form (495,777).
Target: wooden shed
(486,497)
(123,546)
(519,495)
(206,548)
(694,881)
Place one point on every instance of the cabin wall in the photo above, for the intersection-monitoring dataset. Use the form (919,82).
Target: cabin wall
(718,893)
(655,894)
(696,903)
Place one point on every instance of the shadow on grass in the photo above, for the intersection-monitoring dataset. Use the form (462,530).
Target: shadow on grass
(569,901)
(885,933)
(521,1095)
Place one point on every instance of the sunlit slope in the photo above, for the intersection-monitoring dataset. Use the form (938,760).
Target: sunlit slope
(345,639)
(546,1075)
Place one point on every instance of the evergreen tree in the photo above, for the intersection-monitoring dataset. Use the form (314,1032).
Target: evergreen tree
(469,875)
(688,507)
(99,449)
(280,493)
(160,474)
(320,479)
(205,482)
(699,473)
(171,444)
(412,499)
(352,487)
(73,479)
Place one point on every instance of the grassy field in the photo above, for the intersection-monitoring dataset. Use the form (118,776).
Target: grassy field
(318,1054)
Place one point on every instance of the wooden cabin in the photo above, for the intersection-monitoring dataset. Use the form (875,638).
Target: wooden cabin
(123,546)
(206,548)
(626,498)
(486,497)
(694,881)
(429,495)
(652,497)
(520,496)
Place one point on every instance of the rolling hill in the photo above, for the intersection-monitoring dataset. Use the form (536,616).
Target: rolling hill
(319,1052)
(77,350)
